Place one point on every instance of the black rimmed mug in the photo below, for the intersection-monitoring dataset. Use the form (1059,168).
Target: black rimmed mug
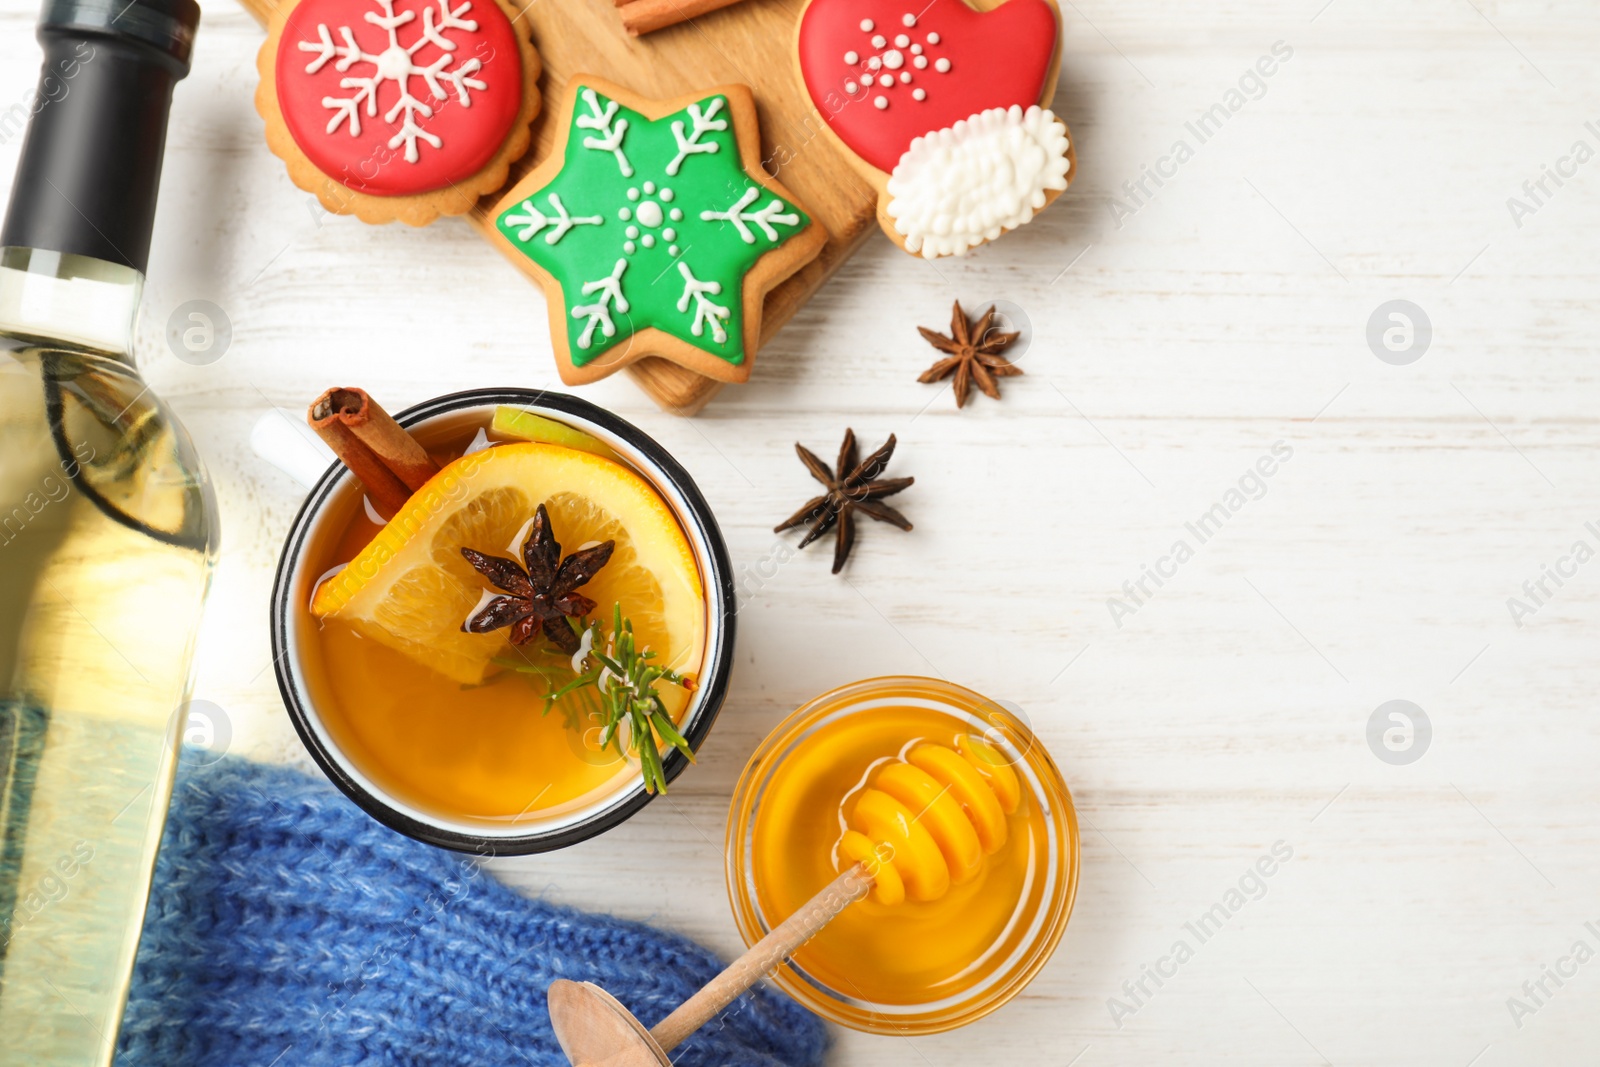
(293,626)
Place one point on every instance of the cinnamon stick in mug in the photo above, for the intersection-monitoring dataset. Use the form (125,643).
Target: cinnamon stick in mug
(388,461)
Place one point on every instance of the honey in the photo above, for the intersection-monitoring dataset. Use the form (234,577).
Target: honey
(926,820)
(981,928)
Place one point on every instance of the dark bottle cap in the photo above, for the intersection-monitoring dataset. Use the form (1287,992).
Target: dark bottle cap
(91,161)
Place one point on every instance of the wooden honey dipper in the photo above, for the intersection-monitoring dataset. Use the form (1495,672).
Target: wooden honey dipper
(924,824)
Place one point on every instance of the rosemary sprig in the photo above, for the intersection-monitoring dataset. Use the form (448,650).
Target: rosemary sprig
(624,679)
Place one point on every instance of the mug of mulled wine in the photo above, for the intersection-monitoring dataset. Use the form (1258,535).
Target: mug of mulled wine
(420,657)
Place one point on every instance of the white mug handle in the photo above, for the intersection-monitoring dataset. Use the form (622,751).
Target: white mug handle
(292,447)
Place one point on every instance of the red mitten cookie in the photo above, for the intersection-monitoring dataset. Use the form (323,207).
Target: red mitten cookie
(398,109)
(945,108)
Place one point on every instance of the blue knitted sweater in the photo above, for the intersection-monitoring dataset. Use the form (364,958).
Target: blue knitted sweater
(286,927)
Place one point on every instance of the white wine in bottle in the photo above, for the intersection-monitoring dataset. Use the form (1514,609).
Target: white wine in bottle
(107,535)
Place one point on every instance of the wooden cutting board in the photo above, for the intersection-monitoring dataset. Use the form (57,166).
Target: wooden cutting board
(751,43)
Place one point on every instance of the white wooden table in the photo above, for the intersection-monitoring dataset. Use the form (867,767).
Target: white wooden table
(1172,346)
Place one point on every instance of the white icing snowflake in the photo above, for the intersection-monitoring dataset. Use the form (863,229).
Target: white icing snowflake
(704,122)
(706,311)
(393,63)
(650,212)
(612,129)
(599,312)
(532,220)
(658,205)
(773,212)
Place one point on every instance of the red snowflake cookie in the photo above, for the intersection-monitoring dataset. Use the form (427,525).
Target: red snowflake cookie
(405,100)
(399,96)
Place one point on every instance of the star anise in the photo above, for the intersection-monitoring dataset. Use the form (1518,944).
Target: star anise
(542,589)
(852,487)
(974,355)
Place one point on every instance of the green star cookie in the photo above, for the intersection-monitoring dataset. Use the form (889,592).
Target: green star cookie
(649,223)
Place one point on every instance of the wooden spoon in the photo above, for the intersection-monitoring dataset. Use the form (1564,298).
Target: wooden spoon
(595,1030)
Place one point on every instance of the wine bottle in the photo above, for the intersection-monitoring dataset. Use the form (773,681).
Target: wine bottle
(107,533)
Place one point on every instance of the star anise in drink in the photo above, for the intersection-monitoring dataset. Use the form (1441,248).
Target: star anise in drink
(974,355)
(851,488)
(541,591)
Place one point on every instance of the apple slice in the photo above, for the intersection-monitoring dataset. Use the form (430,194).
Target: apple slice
(524,425)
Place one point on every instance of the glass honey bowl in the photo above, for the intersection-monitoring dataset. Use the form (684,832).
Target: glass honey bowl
(917,967)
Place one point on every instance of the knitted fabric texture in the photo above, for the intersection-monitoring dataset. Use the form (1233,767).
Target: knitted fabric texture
(287,927)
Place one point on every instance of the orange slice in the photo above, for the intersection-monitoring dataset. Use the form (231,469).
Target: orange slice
(410,589)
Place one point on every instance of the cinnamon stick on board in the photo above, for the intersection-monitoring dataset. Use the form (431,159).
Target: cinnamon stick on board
(388,460)
(646,16)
